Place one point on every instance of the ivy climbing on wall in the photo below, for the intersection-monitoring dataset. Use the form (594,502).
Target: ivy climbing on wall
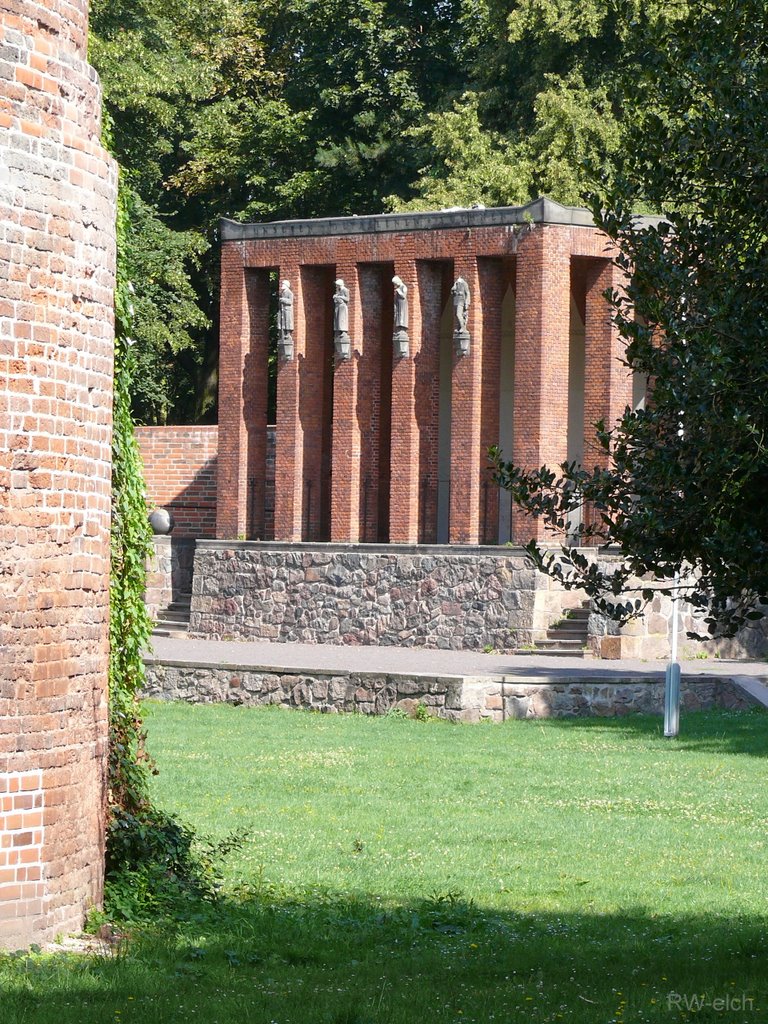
(130,625)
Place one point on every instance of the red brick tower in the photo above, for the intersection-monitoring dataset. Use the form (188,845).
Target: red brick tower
(57,206)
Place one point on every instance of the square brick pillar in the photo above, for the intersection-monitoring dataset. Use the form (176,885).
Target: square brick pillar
(244,348)
(542,337)
(466,417)
(607,381)
(404,459)
(289,436)
(431,274)
(493,282)
(346,443)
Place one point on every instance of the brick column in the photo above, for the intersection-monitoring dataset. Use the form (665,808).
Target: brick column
(493,282)
(345,474)
(57,277)
(607,381)
(289,436)
(244,346)
(466,403)
(542,335)
(404,458)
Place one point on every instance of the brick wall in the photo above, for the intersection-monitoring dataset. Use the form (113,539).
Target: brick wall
(57,207)
(180,473)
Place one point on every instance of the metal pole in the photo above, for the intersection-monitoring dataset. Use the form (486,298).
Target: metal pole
(672,680)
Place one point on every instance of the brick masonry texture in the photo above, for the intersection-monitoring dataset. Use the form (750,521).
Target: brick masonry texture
(457,698)
(57,208)
(430,597)
(180,473)
(357,440)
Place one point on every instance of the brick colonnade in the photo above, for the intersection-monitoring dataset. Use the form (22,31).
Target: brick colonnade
(361,442)
(57,210)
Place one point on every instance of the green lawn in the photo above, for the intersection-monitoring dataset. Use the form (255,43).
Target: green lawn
(399,871)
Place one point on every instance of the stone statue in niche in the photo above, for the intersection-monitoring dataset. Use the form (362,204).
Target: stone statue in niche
(400,320)
(285,321)
(461,300)
(341,338)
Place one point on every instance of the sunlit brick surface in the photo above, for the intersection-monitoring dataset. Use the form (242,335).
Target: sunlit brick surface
(57,203)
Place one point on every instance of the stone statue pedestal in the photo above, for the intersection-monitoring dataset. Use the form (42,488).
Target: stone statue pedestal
(343,345)
(461,342)
(285,346)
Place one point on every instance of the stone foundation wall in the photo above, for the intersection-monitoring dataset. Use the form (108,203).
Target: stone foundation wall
(443,597)
(648,636)
(464,699)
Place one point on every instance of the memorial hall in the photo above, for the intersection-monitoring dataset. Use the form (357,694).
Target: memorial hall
(406,345)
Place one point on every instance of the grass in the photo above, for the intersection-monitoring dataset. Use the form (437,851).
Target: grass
(406,872)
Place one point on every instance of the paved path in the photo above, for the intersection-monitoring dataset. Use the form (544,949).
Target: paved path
(342,658)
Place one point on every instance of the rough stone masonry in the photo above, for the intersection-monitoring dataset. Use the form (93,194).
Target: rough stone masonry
(57,265)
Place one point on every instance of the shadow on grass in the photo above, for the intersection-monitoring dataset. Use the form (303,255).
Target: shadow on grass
(722,732)
(271,957)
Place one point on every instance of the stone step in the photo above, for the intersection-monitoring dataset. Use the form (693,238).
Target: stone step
(173,615)
(567,632)
(556,652)
(551,646)
(170,631)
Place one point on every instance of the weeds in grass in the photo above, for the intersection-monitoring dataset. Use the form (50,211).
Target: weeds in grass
(159,863)
(422,713)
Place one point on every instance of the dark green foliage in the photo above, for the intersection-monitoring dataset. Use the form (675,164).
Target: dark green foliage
(688,483)
(156,865)
(167,323)
(152,859)
(129,623)
(310,108)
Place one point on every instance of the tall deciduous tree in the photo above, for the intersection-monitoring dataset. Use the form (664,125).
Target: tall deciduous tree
(687,486)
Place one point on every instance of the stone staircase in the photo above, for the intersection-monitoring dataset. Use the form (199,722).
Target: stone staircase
(173,620)
(567,638)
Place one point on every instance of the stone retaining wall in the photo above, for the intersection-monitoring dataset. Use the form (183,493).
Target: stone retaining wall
(457,698)
(432,596)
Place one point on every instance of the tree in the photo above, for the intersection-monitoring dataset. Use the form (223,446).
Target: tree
(687,484)
(543,101)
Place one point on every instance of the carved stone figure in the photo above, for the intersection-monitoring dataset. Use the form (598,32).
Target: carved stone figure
(461,300)
(341,308)
(341,320)
(285,320)
(401,304)
(400,320)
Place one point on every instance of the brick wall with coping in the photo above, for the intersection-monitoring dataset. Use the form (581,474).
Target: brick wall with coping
(180,474)
(57,264)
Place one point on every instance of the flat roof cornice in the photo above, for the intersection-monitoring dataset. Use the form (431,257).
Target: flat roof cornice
(540,211)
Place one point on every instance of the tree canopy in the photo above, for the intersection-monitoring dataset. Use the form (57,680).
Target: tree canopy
(687,483)
(317,108)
